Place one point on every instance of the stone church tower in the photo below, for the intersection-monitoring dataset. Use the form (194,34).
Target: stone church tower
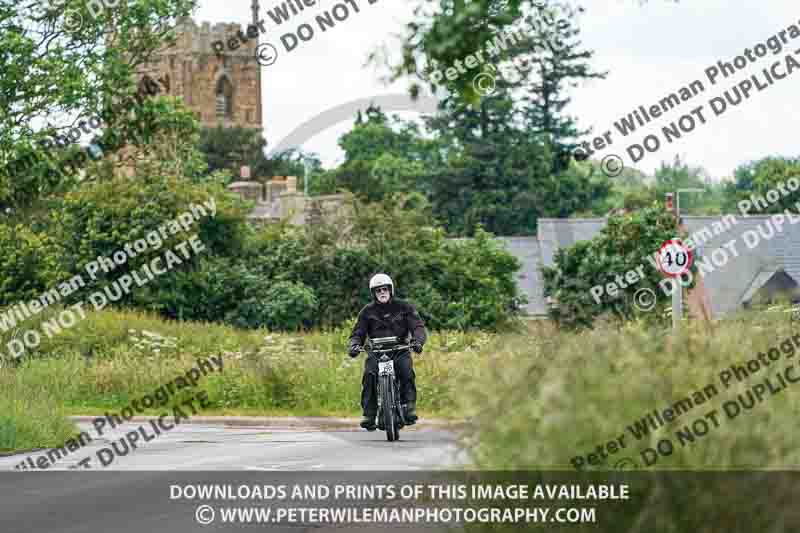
(220,88)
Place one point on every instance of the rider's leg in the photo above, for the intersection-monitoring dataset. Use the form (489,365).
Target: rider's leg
(408,389)
(369,400)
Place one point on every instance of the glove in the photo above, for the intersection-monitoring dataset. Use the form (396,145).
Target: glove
(416,346)
(355,349)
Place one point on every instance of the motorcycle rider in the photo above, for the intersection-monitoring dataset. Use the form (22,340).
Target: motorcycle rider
(387,316)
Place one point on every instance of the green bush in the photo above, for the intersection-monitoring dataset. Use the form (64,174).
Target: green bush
(28,264)
(282,277)
(222,289)
(340,280)
(623,245)
(454,284)
(101,218)
(536,403)
(207,292)
(283,306)
(480,285)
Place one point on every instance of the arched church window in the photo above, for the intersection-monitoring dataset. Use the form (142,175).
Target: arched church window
(224,98)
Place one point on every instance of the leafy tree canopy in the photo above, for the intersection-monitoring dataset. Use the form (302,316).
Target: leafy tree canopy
(758,178)
(55,66)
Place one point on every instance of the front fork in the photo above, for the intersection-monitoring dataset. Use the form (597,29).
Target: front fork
(401,411)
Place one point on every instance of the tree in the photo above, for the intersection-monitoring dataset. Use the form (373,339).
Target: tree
(633,190)
(48,71)
(559,65)
(503,169)
(761,176)
(623,245)
(231,148)
(162,141)
(385,156)
(228,149)
(446,31)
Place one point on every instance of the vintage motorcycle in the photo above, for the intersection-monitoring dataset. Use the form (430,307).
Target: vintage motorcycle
(390,412)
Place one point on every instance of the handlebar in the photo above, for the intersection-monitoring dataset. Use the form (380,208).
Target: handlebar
(387,350)
(403,347)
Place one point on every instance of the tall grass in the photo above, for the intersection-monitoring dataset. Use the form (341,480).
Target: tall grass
(27,419)
(113,357)
(540,402)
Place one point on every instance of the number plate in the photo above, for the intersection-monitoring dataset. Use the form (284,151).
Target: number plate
(387,367)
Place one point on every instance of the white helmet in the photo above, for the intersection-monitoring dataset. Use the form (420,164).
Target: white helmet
(381,280)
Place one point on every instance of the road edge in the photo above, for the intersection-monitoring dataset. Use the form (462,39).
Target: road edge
(305,422)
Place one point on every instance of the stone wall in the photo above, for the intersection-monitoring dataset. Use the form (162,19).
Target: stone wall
(278,199)
(194,71)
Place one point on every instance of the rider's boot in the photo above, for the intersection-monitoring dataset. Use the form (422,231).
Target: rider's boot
(411,413)
(368,422)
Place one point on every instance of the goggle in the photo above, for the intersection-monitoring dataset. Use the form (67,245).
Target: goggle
(382,289)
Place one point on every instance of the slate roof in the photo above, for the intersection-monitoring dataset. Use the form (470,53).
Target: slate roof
(760,280)
(529,277)
(727,286)
(555,233)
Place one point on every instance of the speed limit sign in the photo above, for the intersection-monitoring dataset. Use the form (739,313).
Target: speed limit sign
(674,258)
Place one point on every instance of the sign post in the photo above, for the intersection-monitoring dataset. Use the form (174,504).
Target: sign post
(674,260)
(677,308)
(677,295)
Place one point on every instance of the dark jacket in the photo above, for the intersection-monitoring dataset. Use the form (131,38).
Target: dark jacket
(395,318)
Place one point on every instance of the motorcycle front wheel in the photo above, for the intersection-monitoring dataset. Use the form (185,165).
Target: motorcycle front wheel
(389,406)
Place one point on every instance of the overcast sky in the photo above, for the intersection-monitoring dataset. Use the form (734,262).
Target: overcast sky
(649,50)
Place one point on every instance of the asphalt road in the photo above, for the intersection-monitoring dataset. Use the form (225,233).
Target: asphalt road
(273,447)
(132,493)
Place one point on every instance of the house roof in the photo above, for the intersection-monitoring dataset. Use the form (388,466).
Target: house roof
(529,277)
(748,272)
(555,233)
(726,285)
(759,281)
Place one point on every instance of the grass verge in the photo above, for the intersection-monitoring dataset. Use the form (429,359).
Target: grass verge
(542,403)
(111,358)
